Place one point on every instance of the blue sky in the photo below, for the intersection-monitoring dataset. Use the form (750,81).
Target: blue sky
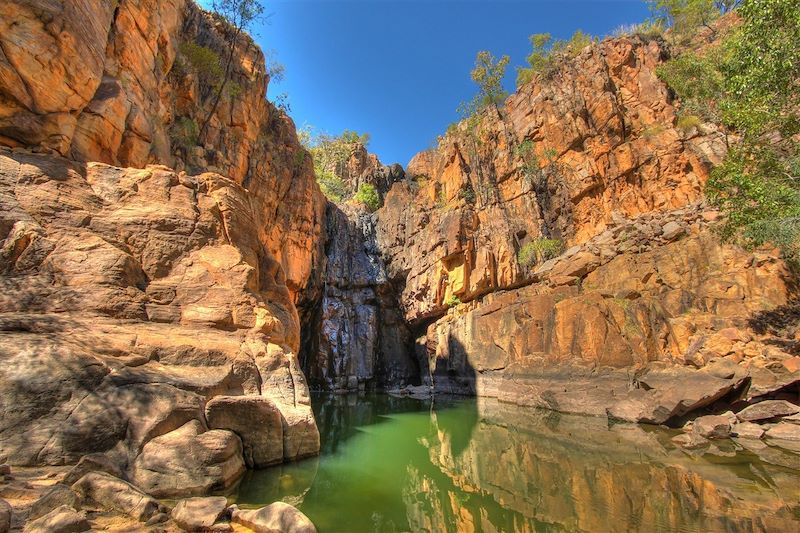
(398,69)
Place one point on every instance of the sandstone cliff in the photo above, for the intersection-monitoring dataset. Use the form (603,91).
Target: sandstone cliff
(641,293)
(151,276)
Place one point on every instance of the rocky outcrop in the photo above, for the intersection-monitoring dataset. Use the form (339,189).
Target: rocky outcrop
(619,325)
(157,251)
(564,158)
(636,292)
(117,83)
(143,294)
(363,341)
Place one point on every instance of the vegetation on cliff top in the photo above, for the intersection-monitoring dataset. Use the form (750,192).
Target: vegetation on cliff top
(749,83)
(330,154)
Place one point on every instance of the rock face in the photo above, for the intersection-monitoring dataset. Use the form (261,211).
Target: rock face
(116,83)
(363,341)
(144,297)
(638,286)
(156,251)
(565,158)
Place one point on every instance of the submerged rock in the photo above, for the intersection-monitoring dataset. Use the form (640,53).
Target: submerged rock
(712,426)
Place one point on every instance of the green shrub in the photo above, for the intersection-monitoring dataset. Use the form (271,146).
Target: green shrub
(538,251)
(440,200)
(547,52)
(467,193)
(687,122)
(184,133)
(653,130)
(332,186)
(452,300)
(368,195)
(204,61)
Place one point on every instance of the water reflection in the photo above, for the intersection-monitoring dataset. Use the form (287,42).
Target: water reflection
(392,464)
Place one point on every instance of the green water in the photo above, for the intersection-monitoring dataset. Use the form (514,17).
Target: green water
(398,464)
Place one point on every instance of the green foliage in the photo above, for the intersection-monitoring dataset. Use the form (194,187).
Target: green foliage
(368,195)
(467,193)
(488,75)
(547,52)
(685,16)
(204,61)
(452,300)
(653,130)
(184,133)
(330,154)
(687,122)
(539,250)
(698,80)
(752,86)
(239,14)
(440,200)
(332,186)
(530,163)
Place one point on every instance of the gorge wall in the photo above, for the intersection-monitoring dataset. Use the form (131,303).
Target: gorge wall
(155,274)
(641,294)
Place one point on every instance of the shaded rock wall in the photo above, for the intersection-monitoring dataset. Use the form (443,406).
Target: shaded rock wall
(363,340)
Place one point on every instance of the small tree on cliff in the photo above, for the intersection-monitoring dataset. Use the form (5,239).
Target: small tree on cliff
(488,75)
(240,15)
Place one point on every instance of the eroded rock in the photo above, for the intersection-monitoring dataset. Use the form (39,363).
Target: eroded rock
(189,461)
(278,517)
(114,494)
(200,514)
(63,519)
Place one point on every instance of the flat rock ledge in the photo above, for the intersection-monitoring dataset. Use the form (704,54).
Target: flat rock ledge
(39,501)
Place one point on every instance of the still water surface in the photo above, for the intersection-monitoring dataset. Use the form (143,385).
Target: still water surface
(398,464)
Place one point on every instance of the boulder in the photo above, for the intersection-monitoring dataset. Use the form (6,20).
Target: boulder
(56,496)
(784,431)
(278,517)
(767,410)
(671,392)
(256,420)
(63,519)
(671,231)
(300,433)
(747,430)
(189,462)
(113,494)
(712,426)
(93,462)
(5,516)
(199,514)
(690,441)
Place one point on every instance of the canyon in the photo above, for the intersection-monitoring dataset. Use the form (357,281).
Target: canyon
(174,283)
